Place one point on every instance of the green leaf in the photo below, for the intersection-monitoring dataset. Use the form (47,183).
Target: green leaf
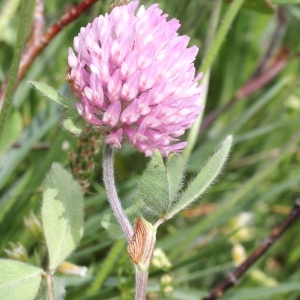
(19,280)
(111,225)
(75,125)
(11,131)
(175,172)
(262,6)
(25,21)
(204,178)
(52,94)
(161,183)
(35,131)
(62,214)
(154,186)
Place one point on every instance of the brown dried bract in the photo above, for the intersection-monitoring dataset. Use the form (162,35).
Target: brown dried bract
(137,244)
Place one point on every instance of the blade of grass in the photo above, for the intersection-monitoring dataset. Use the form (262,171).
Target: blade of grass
(11,159)
(26,11)
(200,154)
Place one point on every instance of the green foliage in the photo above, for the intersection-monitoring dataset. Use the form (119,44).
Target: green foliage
(261,6)
(50,93)
(108,264)
(203,180)
(63,229)
(74,123)
(11,130)
(161,183)
(286,1)
(19,280)
(175,174)
(30,135)
(26,10)
(220,35)
(62,214)
(155,186)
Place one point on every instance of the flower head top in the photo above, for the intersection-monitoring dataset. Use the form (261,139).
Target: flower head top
(135,78)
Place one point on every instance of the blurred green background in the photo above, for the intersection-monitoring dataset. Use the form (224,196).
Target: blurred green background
(253,194)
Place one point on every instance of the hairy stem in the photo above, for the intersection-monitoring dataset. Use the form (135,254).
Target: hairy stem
(50,287)
(141,278)
(109,182)
(143,237)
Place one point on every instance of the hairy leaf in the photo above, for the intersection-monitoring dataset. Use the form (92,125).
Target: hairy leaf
(62,214)
(50,93)
(18,280)
(204,178)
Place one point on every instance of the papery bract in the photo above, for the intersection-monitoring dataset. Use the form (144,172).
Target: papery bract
(135,79)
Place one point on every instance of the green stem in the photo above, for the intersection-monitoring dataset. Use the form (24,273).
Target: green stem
(212,47)
(221,34)
(50,287)
(24,25)
(7,13)
(141,278)
(212,28)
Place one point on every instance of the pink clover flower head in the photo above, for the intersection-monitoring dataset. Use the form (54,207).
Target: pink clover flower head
(135,78)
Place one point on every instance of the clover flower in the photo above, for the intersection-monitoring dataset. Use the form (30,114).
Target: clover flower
(135,79)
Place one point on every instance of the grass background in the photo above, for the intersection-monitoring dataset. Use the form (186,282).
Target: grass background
(261,177)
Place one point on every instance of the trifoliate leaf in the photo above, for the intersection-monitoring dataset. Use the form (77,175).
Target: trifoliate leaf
(154,186)
(161,183)
(62,214)
(19,280)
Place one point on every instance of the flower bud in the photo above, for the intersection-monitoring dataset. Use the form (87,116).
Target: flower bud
(241,223)
(238,253)
(166,280)
(33,225)
(18,252)
(68,268)
(168,291)
(160,260)
(262,278)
